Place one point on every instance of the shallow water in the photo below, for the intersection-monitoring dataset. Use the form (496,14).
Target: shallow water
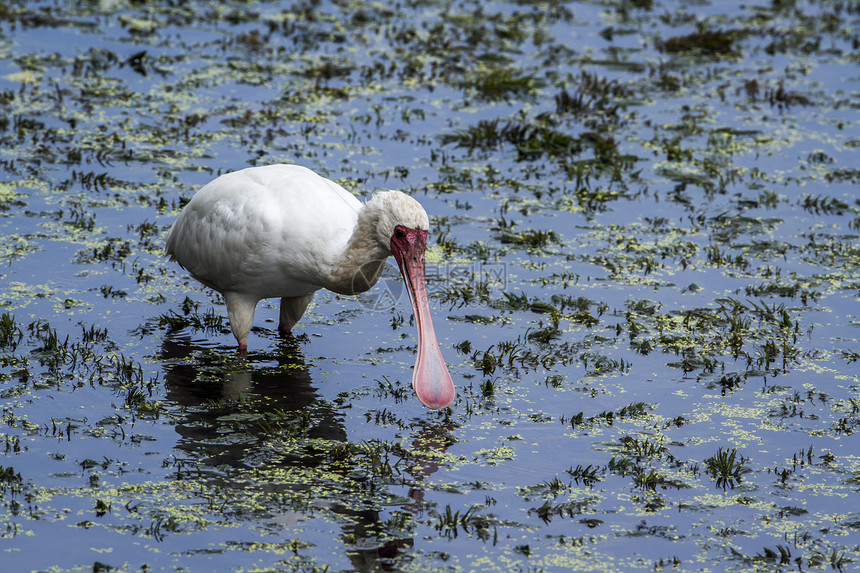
(644,272)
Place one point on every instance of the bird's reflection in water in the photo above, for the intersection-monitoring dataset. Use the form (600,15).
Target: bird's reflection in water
(431,438)
(215,387)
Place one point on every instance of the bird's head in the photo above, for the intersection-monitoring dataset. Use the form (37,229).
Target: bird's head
(397,209)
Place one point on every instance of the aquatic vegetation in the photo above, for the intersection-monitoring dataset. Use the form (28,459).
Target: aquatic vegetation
(531,141)
(10,332)
(727,467)
(706,42)
(497,84)
(644,265)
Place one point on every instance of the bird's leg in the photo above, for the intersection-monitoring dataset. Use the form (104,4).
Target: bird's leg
(292,309)
(240,310)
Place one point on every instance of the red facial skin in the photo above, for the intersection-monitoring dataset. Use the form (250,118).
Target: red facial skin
(430,379)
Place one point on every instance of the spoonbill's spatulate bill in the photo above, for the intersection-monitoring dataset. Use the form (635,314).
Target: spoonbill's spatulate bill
(284,231)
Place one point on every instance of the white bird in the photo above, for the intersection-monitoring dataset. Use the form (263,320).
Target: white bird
(284,231)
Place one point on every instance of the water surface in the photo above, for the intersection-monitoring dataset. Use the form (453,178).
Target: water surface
(644,272)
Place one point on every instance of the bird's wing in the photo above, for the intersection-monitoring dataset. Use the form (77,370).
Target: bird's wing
(264,230)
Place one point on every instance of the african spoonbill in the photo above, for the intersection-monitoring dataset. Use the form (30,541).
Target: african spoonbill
(284,231)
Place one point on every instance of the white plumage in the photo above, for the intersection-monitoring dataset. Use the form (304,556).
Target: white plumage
(284,231)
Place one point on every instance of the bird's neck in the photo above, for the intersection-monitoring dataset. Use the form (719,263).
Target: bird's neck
(358,266)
